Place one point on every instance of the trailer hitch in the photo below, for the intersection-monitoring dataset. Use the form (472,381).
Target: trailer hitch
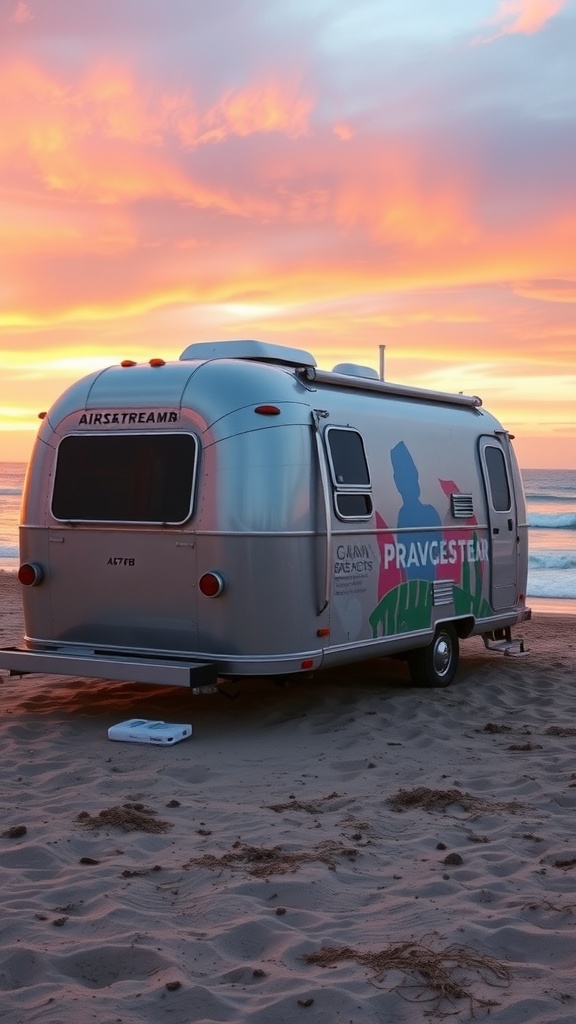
(201,691)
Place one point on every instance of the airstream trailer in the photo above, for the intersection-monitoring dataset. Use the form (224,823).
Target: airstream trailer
(241,512)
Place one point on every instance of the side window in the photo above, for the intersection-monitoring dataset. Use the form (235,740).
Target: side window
(497,478)
(349,473)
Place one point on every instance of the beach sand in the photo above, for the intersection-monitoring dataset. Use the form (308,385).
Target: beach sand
(345,849)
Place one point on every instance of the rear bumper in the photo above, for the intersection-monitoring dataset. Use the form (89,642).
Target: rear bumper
(161,671)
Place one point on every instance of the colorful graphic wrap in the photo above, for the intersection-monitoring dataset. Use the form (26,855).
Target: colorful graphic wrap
(412,560)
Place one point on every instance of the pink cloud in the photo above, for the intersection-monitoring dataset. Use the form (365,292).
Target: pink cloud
(22,13)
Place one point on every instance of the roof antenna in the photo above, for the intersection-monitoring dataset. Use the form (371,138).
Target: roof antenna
(382,349)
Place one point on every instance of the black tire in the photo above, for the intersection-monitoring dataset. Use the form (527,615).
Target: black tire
(436,664)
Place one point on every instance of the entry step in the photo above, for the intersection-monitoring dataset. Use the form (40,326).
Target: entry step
(502,641)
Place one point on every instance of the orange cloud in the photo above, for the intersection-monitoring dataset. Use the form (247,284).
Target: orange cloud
(343,131)
(524,17)
(103,309)
(267,106)
(40,229)
(548,290)
(107,139)
(400,195)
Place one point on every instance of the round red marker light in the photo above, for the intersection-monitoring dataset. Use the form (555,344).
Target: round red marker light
(157,362)
(42,415)
(211,584)
(30,574)
(128,362)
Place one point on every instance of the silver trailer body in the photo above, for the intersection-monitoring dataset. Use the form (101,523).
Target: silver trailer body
(240,512)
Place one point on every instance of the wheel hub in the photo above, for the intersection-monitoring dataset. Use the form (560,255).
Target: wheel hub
(442,655)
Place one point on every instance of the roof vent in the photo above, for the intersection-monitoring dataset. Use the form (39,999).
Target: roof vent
(354,370)
(261,351)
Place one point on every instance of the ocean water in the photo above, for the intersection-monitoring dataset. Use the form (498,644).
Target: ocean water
(551,514)
(11,483)
(551,508)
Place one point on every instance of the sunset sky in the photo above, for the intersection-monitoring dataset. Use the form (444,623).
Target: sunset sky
(324,174)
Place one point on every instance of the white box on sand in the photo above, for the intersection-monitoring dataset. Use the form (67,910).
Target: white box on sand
(143,730)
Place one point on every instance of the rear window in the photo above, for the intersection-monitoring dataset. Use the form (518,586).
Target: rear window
(125,478)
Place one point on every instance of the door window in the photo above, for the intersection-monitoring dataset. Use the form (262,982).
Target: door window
(497,478)
(349,472)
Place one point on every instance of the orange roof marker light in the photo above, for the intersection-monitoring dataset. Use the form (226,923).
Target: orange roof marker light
(157,362)
(128,362)
(42,415)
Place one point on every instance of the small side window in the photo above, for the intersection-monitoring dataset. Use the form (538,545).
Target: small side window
(353,506)
(349,472)
(497,478)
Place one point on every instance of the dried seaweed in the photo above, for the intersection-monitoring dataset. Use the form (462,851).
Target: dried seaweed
(441,799)
(548,905)
(128,817)
(310,806)
(432,975)
(265,861)
(14,832)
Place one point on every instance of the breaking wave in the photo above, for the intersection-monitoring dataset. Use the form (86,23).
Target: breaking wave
(553,521)
(550,583)
(553,560)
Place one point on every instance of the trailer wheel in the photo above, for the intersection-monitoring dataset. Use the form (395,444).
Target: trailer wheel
(436,664)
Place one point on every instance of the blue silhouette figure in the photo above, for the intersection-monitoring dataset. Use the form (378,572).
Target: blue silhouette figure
(413,513)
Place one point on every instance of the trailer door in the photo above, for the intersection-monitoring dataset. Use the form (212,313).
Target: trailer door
(353,557)
(502,523)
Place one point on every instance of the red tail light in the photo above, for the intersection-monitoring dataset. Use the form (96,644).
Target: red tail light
(30,574)
(211,584)
(267,410)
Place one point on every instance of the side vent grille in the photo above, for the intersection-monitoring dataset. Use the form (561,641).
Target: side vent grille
(462,506)
(442,592)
